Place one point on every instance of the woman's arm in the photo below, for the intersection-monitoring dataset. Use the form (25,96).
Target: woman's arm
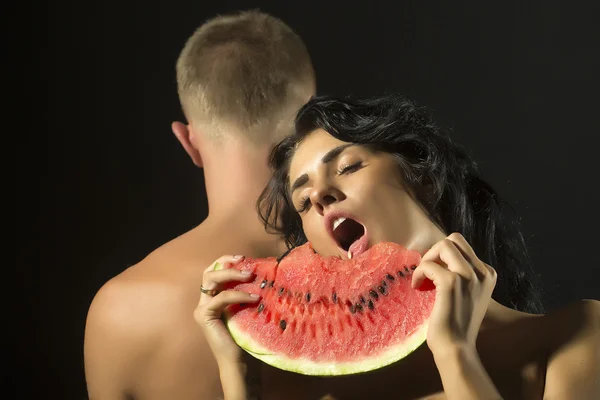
(233,381)
(463,375)
(464,286)
(213,301)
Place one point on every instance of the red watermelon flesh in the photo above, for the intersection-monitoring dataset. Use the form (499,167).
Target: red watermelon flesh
(327,316)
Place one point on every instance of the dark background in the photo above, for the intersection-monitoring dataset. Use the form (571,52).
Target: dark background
(517,82)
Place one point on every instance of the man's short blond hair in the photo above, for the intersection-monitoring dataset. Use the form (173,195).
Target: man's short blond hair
(247,71)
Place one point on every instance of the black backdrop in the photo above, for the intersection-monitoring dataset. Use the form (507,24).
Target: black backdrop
(517,83)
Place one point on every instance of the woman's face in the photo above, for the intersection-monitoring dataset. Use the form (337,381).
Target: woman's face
(350,198)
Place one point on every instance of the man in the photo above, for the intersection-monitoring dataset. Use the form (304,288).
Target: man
(241,79)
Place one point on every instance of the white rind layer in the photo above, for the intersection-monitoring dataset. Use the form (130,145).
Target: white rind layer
(309,367)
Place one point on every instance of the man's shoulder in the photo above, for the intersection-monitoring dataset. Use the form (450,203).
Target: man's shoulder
(145,298)
(135,318)
(141,298)
(148,297)
(121,308)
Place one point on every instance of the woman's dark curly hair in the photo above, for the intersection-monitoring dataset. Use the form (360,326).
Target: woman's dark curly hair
(444,179)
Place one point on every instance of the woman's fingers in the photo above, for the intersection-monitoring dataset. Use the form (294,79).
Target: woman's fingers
(457,255)
(224,260)
(445,254)
(440,276)
(481,269)
(227,297)
(213,309)
(463,284)
(213,280)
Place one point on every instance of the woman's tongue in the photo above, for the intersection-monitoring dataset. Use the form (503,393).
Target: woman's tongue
(358,247)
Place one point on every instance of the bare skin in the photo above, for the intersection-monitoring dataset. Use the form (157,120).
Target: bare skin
(241,78)
(141,341)
(509,355)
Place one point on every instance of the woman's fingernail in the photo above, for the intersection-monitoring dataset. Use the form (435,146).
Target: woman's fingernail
(244,272)
(238,257)
(254,295)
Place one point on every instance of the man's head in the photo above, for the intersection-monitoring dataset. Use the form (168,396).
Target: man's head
(242,77)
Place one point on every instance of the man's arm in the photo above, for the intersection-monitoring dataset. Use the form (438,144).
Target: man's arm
(113,344)
(574,369)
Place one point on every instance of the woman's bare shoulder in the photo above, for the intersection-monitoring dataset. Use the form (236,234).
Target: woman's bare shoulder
(574,358)
(570,323)
(555,330)
(571,335)
(557,354)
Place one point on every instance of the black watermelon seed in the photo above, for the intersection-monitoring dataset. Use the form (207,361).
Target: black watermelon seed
(358,306)
(282,324)
(281,290)
(334,297)
(401,274)
(261,307)
(370,305)
(382,290)
(373,294)
(271,283)
(407,271)
(413,267)
(390,277)
(243,304)
(352,309)
(362,300)
(383,283)
(307,296)
(263,284)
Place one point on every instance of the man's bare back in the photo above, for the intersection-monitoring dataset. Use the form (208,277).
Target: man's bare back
(141,339)
(142,320)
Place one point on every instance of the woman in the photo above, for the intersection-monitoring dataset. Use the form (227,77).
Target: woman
(385,164)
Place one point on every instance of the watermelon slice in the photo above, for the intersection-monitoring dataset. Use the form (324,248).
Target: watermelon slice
(327,316)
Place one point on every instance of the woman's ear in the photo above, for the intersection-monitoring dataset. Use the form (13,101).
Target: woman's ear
(185,136)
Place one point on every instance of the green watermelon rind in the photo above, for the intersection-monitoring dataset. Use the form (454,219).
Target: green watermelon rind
(307,367)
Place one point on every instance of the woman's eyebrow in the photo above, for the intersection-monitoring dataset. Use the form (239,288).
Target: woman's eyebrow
(328,157)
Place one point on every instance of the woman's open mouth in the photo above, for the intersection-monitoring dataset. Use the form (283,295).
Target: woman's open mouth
(350,235)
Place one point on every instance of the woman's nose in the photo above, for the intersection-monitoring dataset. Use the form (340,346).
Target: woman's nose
(324,196)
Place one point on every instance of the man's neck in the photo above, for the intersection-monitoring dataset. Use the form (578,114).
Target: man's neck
(246,232)
(235,176)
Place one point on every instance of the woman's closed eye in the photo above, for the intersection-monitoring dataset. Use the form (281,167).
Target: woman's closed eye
(304,203)
(348,168)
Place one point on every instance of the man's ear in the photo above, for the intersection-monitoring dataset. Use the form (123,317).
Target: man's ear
(185,136)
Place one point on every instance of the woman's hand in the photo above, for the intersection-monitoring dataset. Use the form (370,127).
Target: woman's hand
(464,286)
(208,315)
